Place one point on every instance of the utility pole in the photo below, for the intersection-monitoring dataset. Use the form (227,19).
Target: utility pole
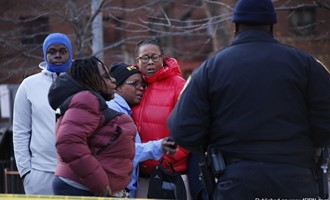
(97,30)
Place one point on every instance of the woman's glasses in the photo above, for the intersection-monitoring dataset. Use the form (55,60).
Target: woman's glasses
(145,59)
(137,84)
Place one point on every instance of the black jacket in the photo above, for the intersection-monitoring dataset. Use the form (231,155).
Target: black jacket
(256,99)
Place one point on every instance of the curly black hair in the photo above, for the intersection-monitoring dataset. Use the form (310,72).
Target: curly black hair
(87,73)
(148,41)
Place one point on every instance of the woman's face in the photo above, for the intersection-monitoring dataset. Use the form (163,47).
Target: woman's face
(110,88)
(132,89)
(149,59)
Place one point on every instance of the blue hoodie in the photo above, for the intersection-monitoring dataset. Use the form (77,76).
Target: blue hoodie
(57,38)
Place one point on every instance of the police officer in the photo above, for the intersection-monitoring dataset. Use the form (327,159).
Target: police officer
(265,105)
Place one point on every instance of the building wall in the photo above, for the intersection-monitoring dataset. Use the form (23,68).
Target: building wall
(317,42)
(120,38)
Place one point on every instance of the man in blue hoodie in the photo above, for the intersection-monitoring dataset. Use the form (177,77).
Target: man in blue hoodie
(34,119)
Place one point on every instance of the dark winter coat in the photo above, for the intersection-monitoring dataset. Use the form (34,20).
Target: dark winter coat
(91,150)
(256,100)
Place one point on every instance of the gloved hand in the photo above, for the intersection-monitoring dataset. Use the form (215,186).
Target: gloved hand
(169,146)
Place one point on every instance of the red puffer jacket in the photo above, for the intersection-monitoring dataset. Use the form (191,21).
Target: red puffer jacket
(90,152)
(151,114)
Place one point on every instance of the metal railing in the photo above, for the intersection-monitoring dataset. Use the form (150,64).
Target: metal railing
(9,176)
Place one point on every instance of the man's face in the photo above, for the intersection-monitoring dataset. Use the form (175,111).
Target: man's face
(57,54)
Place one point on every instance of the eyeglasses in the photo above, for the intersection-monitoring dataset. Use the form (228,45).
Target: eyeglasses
(137,84)
(61,51)
(145,59)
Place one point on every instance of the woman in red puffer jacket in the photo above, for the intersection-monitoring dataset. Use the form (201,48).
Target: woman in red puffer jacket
(164,84)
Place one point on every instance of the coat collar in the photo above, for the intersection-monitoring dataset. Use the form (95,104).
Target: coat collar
(252,36)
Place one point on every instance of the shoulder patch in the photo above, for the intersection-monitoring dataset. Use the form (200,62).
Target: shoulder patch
(323,65)
(185,86)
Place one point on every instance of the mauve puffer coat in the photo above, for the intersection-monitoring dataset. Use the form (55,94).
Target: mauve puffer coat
(90,152)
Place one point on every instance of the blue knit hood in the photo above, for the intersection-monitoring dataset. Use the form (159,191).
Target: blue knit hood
(57,38)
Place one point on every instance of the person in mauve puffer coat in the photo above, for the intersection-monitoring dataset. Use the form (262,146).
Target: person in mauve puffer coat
(95,144)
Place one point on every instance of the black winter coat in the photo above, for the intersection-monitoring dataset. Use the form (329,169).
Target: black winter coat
(258,100)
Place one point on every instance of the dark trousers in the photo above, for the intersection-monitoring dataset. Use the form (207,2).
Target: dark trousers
(62,188)
(196,186)
(247,180)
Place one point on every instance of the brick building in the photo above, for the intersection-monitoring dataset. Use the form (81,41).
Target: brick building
(184,27)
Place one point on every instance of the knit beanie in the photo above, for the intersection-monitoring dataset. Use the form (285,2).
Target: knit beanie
(57,38)
(121,71)
(254,12)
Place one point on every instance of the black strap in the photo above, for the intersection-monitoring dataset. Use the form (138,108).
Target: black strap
(206,174)
(108,113)
(63,107)
(168,164)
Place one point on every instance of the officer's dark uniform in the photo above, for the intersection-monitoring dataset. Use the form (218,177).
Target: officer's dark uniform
(266,106)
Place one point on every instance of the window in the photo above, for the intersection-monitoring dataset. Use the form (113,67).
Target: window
(112,31)
(34,30)
(302,21)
